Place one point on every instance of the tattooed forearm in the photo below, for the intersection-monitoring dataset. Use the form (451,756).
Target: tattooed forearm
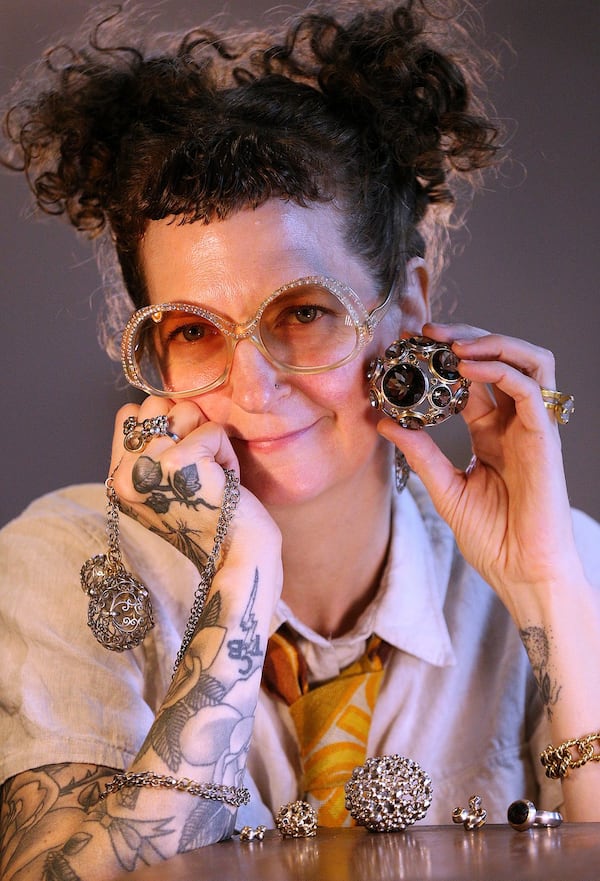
(62,802)
(537,645)
(54,826)
(198,691)
(247,649)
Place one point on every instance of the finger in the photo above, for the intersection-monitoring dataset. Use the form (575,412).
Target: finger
(184,417)
(512,388)
(532,360)
(117,448)
(473,343)
(199,459)
(448,333)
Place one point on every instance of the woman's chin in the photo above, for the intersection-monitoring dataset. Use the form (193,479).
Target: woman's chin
(282,486)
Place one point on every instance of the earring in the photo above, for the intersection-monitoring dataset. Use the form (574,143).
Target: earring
(401,470)
(120,610)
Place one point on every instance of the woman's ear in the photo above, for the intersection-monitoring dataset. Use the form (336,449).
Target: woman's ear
(415,298)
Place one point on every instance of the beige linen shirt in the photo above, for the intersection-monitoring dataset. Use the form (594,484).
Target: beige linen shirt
(458,695)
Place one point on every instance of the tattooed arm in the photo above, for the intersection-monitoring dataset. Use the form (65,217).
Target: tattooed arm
(52,824)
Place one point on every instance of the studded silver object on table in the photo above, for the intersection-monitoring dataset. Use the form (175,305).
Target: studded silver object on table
(388,793)
(297,819)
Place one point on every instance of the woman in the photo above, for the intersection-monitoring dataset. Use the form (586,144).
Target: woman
(278,196)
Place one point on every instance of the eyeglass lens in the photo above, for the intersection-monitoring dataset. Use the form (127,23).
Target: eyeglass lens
(304,327)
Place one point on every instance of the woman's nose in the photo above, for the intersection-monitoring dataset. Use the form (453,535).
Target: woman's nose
(253,379)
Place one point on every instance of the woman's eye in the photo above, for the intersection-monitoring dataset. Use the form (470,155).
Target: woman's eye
(191,333)
(306,314)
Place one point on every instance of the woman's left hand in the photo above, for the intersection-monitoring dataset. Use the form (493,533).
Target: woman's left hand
(509,510)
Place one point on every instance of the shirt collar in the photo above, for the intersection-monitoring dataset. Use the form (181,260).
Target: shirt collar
(408,610)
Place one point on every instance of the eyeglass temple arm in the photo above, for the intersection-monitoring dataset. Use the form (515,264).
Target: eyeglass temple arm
(378,312)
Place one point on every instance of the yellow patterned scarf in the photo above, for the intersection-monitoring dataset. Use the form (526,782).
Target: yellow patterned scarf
(332,719)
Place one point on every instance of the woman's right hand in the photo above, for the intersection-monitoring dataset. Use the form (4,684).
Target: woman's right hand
(50,817)
(175,488)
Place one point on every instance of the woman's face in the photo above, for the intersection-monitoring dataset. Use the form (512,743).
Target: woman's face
(296,436)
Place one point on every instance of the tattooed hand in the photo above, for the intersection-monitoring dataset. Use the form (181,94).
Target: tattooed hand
(175,489)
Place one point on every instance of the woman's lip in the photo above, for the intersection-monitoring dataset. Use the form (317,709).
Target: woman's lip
(263,443)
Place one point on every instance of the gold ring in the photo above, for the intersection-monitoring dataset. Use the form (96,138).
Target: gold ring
(563,405)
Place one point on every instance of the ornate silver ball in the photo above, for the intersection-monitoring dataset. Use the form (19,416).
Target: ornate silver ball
(417,383)
(297,820)
(120,612)
(388,793)
(94,573)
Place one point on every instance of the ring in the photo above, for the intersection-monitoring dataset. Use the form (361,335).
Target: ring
(472,817)
(297,820)
(138,434)
(523,814)
(388,793)
(563,405)
(247,833)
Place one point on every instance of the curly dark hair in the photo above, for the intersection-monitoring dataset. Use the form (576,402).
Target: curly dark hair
(374,107)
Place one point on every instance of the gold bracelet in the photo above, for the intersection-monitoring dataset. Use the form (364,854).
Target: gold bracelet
(558,760)
(233,795)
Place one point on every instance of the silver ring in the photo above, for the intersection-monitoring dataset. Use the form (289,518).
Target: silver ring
(523,815)
(136,435)
(472,817)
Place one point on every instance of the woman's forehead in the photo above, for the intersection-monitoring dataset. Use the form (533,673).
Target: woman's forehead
(253,250)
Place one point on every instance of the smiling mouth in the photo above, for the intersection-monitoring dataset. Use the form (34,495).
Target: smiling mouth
(264,443)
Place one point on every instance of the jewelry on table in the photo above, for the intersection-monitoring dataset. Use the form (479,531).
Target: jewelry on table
(232,795)
(472,817)
(136,435)
(558,760)
(417,383)
(523,815)
(120,610)
(388,793)
(562,405)
(247,833)
(297,819)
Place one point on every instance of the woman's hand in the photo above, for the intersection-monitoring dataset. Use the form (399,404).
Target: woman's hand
(510,510)
(175,487)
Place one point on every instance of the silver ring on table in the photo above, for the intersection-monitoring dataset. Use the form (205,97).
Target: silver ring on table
(523,814)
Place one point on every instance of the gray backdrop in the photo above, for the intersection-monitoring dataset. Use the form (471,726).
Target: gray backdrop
(529,269)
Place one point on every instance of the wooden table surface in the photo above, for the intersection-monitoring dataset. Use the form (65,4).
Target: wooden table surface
(422,853)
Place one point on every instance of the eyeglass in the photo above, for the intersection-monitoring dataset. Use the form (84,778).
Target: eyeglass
(310,325)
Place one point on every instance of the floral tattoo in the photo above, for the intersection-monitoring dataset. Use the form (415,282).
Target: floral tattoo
(537,645)
(182,488)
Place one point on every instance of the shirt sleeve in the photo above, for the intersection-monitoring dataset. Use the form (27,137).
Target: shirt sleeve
(63,697)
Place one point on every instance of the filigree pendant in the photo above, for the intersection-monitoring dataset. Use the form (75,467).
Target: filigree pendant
(120,610)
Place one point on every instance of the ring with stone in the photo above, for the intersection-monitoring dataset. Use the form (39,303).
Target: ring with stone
(562,405)
(523,814)
(137,435)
